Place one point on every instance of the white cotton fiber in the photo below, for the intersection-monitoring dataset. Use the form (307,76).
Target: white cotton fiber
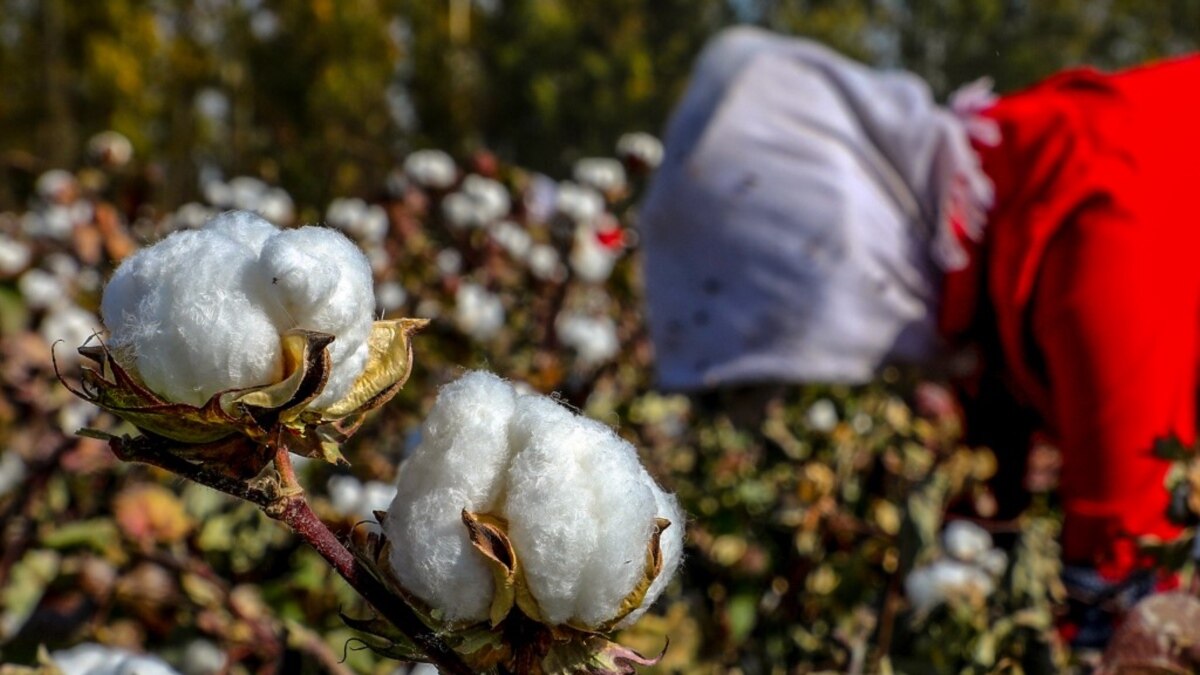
(95,659)
(203,310)
(579,506)
(457,465)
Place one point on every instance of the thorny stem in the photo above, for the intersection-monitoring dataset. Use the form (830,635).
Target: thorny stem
(290,507)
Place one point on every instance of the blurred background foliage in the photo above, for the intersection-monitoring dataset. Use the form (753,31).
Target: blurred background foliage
(323,97)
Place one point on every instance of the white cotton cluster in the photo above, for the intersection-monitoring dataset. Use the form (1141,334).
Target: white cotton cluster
(362,221)
(56,186)
(642,148)
(56,220)
(202,310)
(478,312)
(41,289)
(15,256)
(579,505)
(579,202)
(540,198)
(95,659)
(431,169)
(448,262)
(351,497)
(545,263)
(604,174)
(970,568)
(594,339)
(513,238)
(590,259)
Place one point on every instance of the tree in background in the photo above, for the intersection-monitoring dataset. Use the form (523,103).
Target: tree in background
(324,97)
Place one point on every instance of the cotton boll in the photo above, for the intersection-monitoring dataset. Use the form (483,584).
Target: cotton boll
(579,202)
(276,205)
(56,186)
(929,586)
(670,545)
(448,262)
(460,211)
(390,296)
(343,212)
(544,263)
(202,657)
(247,192)
(600,173)
(41,289)
(94,659)
(592,261)
(477,312)
(641,148)
(491,198)
(550,521)
(512,238)
(185,313)
(593,339)
(244,227)
(372,226)
(110,149)
(316,279)
(541,198)
(190,216)
(345,494)
(14,256)
(76,415)
(457,465)
(965,541)
(431,169)
(822,416)
(218,193)
(57,222)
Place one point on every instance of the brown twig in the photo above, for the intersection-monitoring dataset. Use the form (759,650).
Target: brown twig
(291,508)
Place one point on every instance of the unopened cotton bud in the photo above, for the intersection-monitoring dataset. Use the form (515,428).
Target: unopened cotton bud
(641,148)
(580,509)
(600,173)
(477,312)
(203,310)
(431,169)
(965,541)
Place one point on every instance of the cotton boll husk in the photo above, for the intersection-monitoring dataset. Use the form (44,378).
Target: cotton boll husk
(184,314)
(965,541)
(457,465)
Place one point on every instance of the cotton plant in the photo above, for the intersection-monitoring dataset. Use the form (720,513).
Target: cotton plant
(231,346)
(502,526)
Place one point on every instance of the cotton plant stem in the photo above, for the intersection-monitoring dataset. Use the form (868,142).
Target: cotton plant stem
(287,504)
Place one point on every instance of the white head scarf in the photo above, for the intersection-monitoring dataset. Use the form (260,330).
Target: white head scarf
(800,223)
